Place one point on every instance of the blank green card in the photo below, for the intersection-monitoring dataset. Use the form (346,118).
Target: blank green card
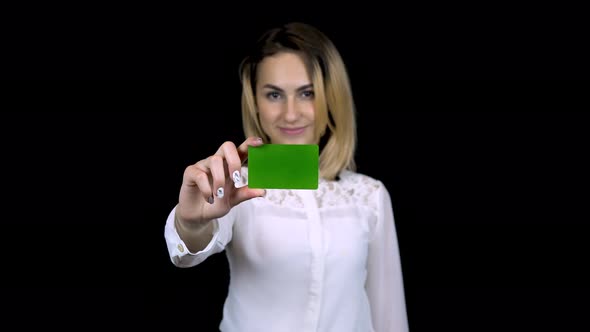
(283,166)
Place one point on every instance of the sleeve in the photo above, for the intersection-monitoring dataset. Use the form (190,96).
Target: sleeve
(178,251)
(384,285)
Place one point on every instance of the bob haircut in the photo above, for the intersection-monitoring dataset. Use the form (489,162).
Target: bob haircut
(335,121)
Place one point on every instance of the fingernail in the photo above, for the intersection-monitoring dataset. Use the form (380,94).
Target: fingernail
(237,177)
(210,200)
(258,139)
(220,192)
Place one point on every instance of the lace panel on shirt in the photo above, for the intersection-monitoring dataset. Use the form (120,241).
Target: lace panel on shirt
(278,197)
(352,189)
(284,198)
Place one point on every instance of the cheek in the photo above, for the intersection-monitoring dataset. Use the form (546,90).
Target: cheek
(309,111)
(266,118)
(263,110)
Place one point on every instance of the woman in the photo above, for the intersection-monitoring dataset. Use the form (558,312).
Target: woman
(300,260)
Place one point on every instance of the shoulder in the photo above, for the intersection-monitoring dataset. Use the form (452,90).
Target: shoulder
(350,178)
(366,189)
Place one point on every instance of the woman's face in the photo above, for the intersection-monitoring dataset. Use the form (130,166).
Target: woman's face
(285,99)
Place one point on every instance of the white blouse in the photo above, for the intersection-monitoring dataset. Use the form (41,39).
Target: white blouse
(308,260)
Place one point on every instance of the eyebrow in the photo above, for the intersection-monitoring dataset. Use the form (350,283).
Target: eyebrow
(274,87)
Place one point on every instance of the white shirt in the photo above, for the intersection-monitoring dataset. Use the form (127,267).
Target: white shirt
(308,260)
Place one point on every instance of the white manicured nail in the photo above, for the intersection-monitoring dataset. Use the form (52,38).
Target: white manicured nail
(220,192)
(237,177)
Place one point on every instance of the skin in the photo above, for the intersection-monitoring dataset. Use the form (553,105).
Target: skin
(285,102)
(285,99)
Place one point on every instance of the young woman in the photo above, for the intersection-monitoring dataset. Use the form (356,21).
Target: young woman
(300,260)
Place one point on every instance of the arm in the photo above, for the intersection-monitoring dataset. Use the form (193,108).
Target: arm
(212,238)
(385,286)
(210,189)
(196,237)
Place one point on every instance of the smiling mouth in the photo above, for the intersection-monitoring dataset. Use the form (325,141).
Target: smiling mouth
(292,131)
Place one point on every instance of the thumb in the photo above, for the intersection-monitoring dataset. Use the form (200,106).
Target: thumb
(245,193)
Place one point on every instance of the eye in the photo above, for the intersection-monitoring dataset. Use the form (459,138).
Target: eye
(308,94)
(273,95)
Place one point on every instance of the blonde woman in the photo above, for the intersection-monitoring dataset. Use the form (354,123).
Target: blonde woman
(300,260)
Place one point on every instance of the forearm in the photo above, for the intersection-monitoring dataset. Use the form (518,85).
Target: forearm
(195,237)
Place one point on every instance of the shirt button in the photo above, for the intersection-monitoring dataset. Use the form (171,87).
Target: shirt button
(180,248)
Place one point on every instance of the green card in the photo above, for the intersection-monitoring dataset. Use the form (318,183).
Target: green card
(283,166)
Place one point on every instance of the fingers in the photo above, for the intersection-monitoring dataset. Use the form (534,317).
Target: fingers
(218,173)
(243,148)
(210,178)
(209,175)
(198,175)
(235,157)
(245,193)
(229,151)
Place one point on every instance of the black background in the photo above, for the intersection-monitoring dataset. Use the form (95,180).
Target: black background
(470,116)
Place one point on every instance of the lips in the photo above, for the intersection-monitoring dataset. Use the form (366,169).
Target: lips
(292,131)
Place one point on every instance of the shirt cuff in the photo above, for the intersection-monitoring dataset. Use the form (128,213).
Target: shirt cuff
(179,253)
(182,250)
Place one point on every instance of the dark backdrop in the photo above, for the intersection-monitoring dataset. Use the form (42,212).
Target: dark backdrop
(488,176)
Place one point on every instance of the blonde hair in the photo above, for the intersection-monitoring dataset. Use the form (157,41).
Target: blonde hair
(335,121)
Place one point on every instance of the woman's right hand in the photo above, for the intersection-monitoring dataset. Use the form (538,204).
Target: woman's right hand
(208,189)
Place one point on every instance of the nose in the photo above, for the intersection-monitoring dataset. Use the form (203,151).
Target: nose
(291,110)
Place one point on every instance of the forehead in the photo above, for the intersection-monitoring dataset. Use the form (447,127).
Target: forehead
(283,69)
